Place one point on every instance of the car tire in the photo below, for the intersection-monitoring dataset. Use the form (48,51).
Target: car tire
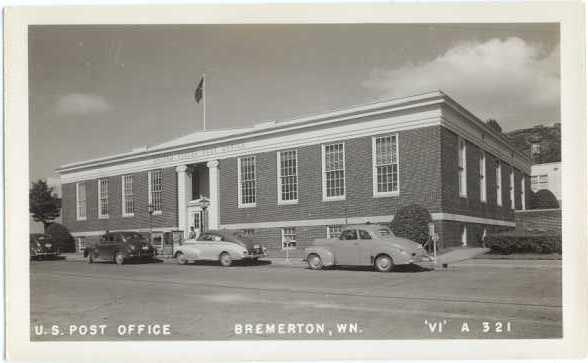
(119,258)
(383,263)
(181,258)
(314,261)
(225,259)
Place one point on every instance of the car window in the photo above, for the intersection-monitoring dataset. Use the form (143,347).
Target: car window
(364,234)
(204,237)
(386,233)
(348,234)
(216,237)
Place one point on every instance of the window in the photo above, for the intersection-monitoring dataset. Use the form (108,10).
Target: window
(523,193)
(385,165)
(128,197)
(246,176)
(287,177)
(349,234)
(461,168)
(81,244)
(512,190)
(334,231)
(483,177)
(364,234)
(535,148)
(155,189)
(498,183)
(333,171)
(81,201)
(464,235)
(289,238)
(102,198)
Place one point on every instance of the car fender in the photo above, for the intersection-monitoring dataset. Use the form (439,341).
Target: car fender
(191,252)
(327,257)
(232,249)
(394,252)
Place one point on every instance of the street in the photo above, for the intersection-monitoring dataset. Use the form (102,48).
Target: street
(495,299)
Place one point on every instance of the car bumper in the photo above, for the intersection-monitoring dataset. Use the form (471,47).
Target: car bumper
(254,255)
(142,255)
(421,259)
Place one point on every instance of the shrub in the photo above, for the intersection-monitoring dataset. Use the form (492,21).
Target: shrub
(63,239)
(508,243)
(412,222)
(543,199)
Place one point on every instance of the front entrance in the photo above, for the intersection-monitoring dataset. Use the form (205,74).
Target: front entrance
(195,223)
(197,216)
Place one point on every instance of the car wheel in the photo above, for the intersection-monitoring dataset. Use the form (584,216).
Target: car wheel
(314,261)
(225,259)
(90,257)
(181,258)
(383,263)
(119,258)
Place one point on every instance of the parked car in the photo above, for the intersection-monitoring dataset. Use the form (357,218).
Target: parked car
(120,247)
(224,246)
(365,245)
(42,245)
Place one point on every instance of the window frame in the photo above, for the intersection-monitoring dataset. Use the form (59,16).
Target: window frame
(79,216)
(462,168)
(282,201)
(125,197)
(324,174)
(391,193)
(150,191)
(284,234)
(512,188)
(483,178)
(103,195)
(240,203)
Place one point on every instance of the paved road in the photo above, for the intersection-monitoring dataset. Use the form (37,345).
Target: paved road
(511,299)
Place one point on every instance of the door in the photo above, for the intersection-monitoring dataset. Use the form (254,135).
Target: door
(195,227)
(347,248)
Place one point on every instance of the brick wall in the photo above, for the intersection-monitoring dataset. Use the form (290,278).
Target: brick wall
(419,174)
(116,221)
(543,220)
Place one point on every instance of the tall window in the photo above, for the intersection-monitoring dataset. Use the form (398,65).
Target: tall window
(334,231)
(128,196)
(103,198)
(333,171)
(385,165)
(523,194)
(461,168)
(155,189)
(483,176)
(246,176)
(512,189)
(498,183)
(81,201)
(287,177)
(289,238)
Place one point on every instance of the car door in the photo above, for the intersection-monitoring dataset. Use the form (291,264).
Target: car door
(346,248)
(205,246)
(106,247)
(366,247)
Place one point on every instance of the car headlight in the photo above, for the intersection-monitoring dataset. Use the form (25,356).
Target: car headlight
(256,246)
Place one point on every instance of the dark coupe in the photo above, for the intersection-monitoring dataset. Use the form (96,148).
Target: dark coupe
(42,245)
(120,247)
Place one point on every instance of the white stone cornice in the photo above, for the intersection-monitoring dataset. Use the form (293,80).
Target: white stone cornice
(212,164)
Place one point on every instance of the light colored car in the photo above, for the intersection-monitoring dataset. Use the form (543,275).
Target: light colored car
(224,246)
(365,245)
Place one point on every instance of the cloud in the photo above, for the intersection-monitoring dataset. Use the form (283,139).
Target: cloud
(81,104)
(510,80)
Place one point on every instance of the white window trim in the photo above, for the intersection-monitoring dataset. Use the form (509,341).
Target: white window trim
(324,179)
(393,193)
(523,193)
(239,192)
(463,193)
(78,217)
(498,172)
(100,215)
(149,196)
(279,179)
(123,196)
(283,230)
(512,189)
(483,181)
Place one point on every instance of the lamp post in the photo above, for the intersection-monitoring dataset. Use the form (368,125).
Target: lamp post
(204,203)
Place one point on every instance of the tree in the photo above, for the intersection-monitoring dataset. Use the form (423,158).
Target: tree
(43,203)
(63,239)
(493,124)
(543,199)
(412,222)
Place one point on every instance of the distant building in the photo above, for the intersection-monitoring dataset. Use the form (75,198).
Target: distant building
(290,182)
(547,176)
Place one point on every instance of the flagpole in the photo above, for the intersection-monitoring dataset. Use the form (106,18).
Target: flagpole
(204,102)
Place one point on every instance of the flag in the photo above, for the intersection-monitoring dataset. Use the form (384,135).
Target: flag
(199,93)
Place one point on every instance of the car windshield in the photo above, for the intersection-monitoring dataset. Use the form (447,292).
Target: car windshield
(385,233)
(132,237)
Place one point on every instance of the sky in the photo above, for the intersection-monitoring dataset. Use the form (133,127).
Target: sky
(101,90)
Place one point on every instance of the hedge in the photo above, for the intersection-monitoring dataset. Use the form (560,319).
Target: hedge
(63,239)
(508,243)
(412,222)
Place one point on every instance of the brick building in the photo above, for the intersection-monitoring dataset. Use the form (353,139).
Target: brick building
(289,182)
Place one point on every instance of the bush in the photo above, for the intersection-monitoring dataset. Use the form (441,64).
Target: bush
(63,239)
(508,243)
(543,199)
(412,222)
